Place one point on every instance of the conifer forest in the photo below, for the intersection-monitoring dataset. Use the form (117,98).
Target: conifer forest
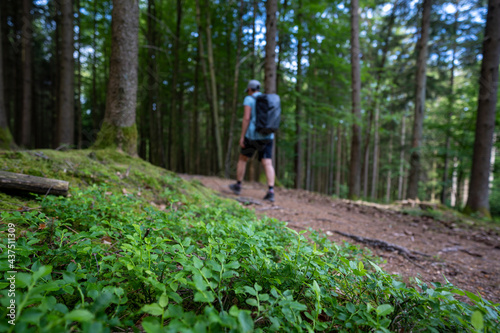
(380,100)
(124,202)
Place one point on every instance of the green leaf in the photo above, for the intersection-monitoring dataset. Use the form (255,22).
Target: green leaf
(232,265)
(250,290)
(153,309)
(151,325)
(197,262)
(23,280)
(245,321)
(163,300)
(384,309)
(252,301)
(41,272)
(207,296)
(80,315)
(473,297)
(477,320)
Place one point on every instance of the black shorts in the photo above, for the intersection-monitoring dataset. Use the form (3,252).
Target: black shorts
(263,147)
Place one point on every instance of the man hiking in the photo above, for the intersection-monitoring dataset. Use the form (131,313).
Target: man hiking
(252,141)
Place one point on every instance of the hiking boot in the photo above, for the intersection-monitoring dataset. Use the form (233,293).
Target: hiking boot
(235,188)
(269,196)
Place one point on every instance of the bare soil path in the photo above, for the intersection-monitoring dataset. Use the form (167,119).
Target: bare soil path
(469,257)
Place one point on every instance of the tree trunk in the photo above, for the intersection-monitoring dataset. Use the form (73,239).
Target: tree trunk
(254,55)
(402,156)
(195,153)
(298,105)
(119,129)
(6,140)
(478,200)
(96,117)
(444,195)
(174,131)
(366,153)
(338,167)
(234,105)
(355,163)
(389,172)
(79,126)
(66,114)
(418,122)
(213,85)
(151,105)
(270,60)
(376,137)
(27,37)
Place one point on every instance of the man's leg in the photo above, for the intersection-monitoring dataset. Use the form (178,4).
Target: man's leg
(269,169)
(241,167)
(267,163)
(240,173)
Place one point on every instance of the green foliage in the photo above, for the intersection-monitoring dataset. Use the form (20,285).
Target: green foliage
(136,245)
(99,260)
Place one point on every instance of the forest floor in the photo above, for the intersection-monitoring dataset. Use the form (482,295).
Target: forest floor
(431,244)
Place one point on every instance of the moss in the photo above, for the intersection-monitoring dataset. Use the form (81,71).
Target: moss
(481,212)
(6,140)
(115,137)
(119,172)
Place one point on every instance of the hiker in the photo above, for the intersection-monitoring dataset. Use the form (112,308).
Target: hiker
(252,141)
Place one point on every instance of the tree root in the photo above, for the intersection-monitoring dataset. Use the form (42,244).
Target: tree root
(409,254)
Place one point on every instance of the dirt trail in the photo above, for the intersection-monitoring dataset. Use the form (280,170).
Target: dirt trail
(468,258)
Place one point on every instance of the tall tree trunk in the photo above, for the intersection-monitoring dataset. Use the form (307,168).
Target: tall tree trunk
(389,172)
(6,140)
(478,200)
(299,159)
(201,52)
(254,54)
(402,156)
(79,80)
(213,85)
(156,151)
(26,112)
(234,105)
(376,107)
(366,154)
(195,152)
(355,163)
(418,121)
(119,129)
(443,195)
(338,167)
(270,60)
(96,117)
(174,132)
(66,113)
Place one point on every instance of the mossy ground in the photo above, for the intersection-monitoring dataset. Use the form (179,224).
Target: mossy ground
(120,173)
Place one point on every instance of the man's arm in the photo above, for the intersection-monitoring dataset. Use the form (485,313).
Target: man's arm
(244,124)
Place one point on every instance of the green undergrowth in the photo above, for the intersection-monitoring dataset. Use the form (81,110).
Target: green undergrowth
(106,259)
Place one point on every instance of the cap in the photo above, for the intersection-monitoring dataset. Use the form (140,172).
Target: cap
(253,84)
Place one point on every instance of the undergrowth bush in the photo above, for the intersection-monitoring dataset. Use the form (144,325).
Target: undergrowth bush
(99,260)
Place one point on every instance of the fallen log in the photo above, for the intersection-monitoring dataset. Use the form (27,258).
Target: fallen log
(383,245)
(26,183)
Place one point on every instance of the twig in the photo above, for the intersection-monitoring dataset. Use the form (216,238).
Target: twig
(76,232)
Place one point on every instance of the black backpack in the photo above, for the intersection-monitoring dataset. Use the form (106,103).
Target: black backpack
(267,111)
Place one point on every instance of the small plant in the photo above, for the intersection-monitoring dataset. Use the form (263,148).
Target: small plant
(100,260)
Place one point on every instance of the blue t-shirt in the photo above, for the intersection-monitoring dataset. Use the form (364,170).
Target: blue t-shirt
(251,133)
